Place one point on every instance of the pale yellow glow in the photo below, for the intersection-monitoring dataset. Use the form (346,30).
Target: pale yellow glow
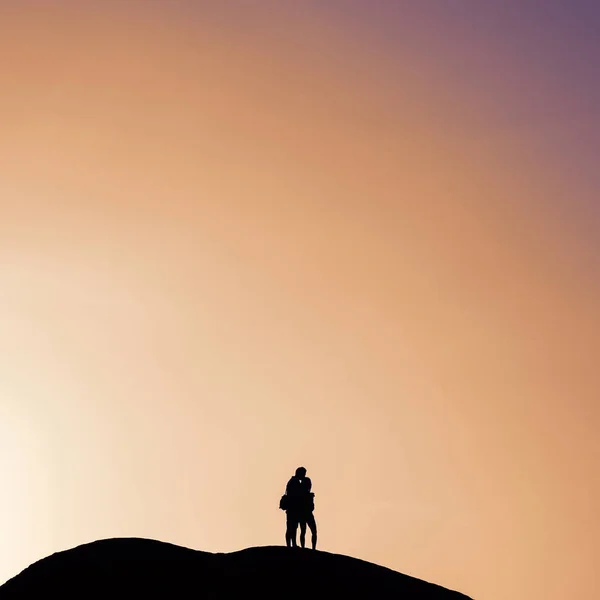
(225,252)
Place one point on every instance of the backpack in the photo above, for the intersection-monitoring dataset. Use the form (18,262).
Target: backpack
(283,503)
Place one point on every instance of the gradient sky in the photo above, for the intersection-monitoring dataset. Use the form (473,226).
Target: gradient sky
(236,237)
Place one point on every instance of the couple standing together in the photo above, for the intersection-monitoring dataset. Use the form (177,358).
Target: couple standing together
(298,503)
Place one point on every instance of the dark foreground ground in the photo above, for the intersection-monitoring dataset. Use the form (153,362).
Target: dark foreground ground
(138,568)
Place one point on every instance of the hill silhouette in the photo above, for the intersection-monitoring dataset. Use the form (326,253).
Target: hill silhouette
(142,568)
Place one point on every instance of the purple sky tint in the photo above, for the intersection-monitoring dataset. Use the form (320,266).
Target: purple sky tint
(487,47)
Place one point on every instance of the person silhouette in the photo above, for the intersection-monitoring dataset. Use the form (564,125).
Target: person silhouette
(306,514)
(290,502)
(298,501)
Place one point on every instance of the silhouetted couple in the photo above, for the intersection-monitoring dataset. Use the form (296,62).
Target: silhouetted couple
(298,503)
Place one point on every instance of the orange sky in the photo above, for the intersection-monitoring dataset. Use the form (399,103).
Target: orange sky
(230,247)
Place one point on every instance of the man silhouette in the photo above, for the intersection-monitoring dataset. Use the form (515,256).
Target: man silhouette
(299,511)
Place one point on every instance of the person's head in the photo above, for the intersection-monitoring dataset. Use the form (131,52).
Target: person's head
(300,472)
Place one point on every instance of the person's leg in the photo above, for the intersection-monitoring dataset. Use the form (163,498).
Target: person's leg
(292,526)
(312,524)
(303,532)
(290,530)
(294,532)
